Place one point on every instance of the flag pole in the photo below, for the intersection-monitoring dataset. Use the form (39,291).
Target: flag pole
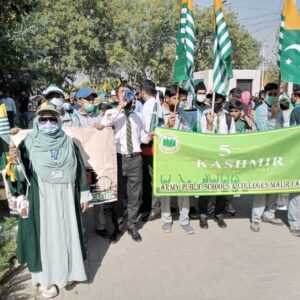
(276,102)
(213,104)
(177,98)
(20,163)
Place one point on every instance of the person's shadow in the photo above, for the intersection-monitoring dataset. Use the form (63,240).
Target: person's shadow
(96,246)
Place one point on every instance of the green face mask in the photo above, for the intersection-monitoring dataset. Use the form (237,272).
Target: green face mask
(270,100)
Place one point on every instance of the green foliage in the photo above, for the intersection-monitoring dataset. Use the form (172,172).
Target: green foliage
(50,41)
(8,244)
(11,13)
(245,47)
(273,71)
(12,10)
(145,36)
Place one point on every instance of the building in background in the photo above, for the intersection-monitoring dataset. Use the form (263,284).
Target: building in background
(246,80)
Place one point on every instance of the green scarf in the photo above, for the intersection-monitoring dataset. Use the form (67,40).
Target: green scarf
(41,147)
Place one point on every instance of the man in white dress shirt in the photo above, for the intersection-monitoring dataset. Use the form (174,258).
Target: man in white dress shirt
(152,116)
(129,133)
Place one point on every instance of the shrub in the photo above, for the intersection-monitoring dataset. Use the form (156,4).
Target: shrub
(8,245)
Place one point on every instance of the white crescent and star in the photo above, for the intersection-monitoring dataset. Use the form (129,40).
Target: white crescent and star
(293,47)
(288,61)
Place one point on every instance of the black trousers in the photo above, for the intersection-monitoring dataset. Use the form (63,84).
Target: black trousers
(11,118)
(130,179)
(147,183)
(219,208)
(23,118)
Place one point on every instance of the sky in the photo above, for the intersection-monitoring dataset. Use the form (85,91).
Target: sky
(260,17)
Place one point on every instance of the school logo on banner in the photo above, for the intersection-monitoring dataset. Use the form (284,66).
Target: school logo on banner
(169,143)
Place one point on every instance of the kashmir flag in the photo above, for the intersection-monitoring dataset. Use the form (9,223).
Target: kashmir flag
(222,72)
(184,64)
(4,124)
(289,43)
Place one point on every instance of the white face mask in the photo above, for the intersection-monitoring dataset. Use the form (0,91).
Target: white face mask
(201,98)
(67,106)
(48,128)
(58,102)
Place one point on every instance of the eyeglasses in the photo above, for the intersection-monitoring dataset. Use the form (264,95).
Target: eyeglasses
(52,120)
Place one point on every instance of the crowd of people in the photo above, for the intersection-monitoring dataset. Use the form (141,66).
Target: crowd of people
(59,190)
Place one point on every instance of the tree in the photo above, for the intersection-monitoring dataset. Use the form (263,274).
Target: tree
(64,38)
(145,35)
(246,48)
(11,13)
(54,40)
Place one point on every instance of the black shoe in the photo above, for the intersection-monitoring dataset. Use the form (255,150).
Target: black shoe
(119,230)
(115,236)
(194,214)
(229,209)
(154,214)
(71,285)
(135,235)
(103,233)
(145,216)
(203,223)
(173,211)
(221,222)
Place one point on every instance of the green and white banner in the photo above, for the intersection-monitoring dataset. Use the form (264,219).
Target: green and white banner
(187,163)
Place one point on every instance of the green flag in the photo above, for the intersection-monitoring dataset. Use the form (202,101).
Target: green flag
(4,124)
(222,52)
(184,64)
(289,43)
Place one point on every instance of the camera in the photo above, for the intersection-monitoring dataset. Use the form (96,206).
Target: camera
(129,95)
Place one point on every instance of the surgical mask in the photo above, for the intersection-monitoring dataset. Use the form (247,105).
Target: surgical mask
(270,100)
(67,106)
(182,105)
(48,128)
(201,98)
(57,102)
(88,107)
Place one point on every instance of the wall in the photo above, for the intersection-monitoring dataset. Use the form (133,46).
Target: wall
(254,75)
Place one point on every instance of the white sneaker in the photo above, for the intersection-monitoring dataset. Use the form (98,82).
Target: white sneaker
(51,292)
(167,227)
(188,229)
(255,226)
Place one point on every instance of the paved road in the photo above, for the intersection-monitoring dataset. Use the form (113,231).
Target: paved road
(211,264)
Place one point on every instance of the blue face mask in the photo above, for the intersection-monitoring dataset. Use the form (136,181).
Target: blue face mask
(270,100)
(88,107)
(48,128)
